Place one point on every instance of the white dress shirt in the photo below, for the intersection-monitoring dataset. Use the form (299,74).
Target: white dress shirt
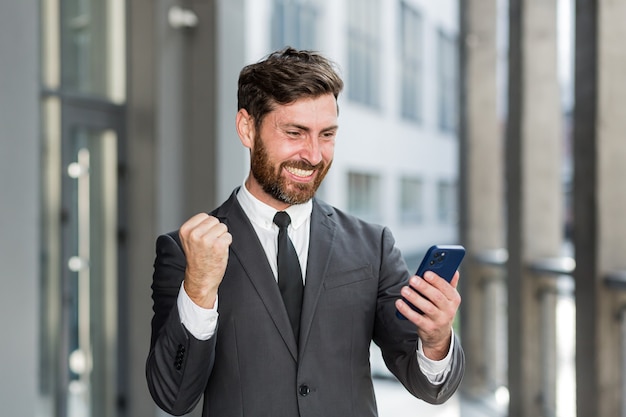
(202,322)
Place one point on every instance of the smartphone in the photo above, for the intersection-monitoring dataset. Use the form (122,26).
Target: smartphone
(444,260)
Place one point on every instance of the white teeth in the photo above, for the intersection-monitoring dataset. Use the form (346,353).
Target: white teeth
(299,172)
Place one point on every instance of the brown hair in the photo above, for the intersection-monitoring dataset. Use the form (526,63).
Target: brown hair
(283,77)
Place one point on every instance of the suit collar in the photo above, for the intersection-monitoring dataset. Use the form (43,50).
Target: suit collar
(323,231)
(249,253)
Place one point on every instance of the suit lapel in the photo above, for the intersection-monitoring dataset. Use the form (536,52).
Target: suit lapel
(323,231)
(251,256)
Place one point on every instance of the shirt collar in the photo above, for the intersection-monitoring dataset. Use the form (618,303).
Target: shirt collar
(262,215)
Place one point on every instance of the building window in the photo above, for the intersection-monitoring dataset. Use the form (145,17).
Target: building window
(411,200)
(92,49)
(294,23)
(446,202)
(364,196)
(411,53)
(448,82)
(364,52)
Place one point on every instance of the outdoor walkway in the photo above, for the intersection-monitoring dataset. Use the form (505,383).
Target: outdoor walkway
(394,401)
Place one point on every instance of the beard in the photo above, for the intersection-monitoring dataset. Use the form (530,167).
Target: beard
(279,187)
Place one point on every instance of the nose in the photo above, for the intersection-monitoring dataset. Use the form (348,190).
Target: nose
(312,151)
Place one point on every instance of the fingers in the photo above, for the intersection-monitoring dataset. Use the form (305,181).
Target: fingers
(434,289)
(204,239)
(437,299)
(455,279)
(194,221)
(202,232)
(206,243)
(408,312)
(197,226)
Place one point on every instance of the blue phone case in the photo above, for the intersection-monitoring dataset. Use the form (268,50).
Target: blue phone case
(444,260)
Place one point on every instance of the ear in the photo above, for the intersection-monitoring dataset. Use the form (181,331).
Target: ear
(245,128)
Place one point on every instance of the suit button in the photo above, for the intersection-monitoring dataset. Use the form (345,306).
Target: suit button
(304,390)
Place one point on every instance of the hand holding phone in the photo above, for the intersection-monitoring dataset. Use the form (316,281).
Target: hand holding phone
(444,260)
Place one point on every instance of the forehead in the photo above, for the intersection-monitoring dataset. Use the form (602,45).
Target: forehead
(311,112)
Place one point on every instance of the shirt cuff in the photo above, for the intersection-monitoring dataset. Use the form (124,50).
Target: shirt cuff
(435,371)
(200,322)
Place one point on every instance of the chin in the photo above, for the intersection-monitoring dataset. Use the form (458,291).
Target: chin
(298,196)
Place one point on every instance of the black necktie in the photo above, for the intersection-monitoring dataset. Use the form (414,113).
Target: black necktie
(289,272)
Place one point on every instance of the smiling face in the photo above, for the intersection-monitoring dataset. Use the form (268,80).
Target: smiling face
(292,151)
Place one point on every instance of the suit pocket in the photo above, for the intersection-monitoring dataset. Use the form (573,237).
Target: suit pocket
(347,277)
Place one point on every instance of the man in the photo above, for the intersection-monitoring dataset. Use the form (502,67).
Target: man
(221,326)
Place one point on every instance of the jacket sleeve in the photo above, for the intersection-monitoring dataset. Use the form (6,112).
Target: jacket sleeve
(398,338)
(178,365)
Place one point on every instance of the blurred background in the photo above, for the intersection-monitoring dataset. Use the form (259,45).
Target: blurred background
(495,124)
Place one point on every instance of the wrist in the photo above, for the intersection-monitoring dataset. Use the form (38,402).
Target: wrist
(202,295)
(437,352)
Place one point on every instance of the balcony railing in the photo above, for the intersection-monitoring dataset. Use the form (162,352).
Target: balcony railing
(557,343)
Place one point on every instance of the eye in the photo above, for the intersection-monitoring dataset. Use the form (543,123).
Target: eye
(329,135)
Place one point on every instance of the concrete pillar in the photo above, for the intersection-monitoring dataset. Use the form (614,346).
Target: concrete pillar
(482,223)
(135,302)
(201,102)
(599,203)
(20,217)
(534,202)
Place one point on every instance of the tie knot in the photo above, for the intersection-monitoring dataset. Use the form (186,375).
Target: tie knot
(282,219)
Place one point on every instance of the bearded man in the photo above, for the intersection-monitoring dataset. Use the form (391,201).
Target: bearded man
(268,305)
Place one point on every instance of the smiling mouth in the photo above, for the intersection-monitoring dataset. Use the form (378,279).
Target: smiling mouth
(301,173)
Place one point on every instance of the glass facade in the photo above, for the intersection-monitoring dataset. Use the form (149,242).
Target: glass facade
(364,195)
(411,204)
(447,202)
(411,57)
(83,87)
(294,23)
(364,52)
(92,48)
(447,70)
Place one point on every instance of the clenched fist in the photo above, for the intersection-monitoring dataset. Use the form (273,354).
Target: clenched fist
(205,242)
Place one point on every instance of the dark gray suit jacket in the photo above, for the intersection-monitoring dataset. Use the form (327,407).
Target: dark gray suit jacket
(252,366)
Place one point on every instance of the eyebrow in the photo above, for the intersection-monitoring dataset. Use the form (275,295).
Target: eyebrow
(307,129)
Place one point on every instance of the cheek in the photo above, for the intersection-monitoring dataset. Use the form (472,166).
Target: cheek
(328,151)
(276,156)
